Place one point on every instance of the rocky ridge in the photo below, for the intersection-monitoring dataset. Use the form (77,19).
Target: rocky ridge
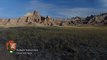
(98,19)
(34,18)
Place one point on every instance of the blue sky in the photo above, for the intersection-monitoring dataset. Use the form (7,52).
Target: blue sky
(54,8)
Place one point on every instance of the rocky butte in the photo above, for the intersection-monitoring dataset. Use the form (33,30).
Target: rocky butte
(34,18)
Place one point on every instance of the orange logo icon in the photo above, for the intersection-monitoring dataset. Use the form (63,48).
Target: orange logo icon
(11,45)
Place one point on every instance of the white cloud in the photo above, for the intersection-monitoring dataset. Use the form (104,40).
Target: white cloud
(104,2)
(49,9)
(42,7)
(1,8)
(79,12)
(36,4)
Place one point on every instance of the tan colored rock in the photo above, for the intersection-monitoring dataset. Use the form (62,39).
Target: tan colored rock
(49,21)
(33,17)
(98,19)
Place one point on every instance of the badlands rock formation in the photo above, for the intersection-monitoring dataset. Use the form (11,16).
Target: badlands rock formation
(33,18)
(99,19)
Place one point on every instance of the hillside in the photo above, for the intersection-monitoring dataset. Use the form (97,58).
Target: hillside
(35,19)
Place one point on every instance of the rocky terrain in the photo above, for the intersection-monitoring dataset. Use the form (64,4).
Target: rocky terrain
(34,18)
(56,43)
(98,19)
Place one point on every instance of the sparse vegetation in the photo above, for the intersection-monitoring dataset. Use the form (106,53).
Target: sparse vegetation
(63,43)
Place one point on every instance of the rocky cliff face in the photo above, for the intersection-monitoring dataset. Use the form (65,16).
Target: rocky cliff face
(34,18)
(98,19)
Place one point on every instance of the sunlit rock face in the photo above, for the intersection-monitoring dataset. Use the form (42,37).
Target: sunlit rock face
(98,19)
(34,18)
(28,19)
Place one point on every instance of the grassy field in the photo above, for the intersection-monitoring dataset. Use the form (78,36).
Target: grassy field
(59,43)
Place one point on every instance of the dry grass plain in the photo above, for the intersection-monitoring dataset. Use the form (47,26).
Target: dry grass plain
(59,43)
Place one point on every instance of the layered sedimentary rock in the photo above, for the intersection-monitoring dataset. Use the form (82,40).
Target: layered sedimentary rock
(98,19)
(34,18)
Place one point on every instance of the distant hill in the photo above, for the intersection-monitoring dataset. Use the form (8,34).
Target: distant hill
(34,18)
(98,19)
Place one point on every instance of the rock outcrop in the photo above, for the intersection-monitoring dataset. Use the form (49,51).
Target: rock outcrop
(34,18)
(98,19)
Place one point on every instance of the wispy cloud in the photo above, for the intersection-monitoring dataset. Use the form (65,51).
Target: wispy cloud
(1,8)
(36,4)
(83,12)
(50,9)
(103,3)
(42,7)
